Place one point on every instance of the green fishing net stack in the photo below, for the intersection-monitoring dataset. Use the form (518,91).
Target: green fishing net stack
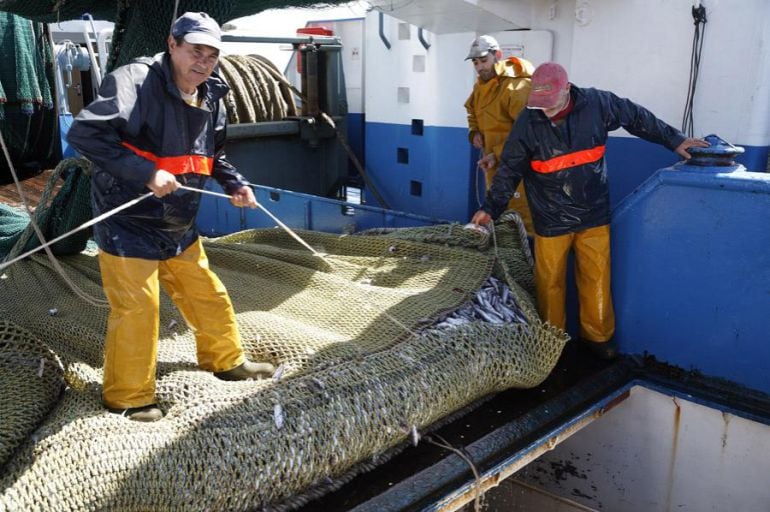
(353,331)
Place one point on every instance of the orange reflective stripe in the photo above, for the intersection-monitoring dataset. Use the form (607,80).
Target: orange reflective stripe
(558,163)
(177,165)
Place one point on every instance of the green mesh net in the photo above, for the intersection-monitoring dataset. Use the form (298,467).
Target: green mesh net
(365,346)
(27,118)
(30,371)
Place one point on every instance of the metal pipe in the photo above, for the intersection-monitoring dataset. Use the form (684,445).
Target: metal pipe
(322,40)
(101,46)
(425,44)
(302,56)
(311,61)
(96,68)
(382,31)
(94,65)
(62,101)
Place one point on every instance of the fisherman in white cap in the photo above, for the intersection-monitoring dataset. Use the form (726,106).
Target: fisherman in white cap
(498,96)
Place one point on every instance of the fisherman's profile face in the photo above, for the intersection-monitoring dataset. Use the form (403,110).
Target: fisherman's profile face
(485,66)
(559,104)
(192,64)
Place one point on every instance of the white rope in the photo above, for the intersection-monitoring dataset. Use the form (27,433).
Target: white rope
(479,170)
(277,221)
(88,224)
(369,304)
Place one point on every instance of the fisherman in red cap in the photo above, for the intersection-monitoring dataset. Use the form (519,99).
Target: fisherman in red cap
(557,147)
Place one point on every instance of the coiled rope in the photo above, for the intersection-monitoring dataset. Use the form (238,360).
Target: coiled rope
(259,92)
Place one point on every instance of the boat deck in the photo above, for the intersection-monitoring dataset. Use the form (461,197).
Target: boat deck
(32,188)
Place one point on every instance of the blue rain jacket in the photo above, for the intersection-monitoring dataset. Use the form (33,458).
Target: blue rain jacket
(137,124)
(563,167)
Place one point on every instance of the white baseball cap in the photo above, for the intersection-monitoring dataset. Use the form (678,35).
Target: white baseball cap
(481,46)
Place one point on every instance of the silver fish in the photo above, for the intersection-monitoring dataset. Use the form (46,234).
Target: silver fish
(278,416)
(279,373)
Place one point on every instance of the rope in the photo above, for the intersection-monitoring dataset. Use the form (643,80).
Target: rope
(174,16)
(368,303)
(257,91)
(477,503)
(259,205)
(88,224)
(479,170)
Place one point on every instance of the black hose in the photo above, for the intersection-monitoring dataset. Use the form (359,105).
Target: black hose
(699,17)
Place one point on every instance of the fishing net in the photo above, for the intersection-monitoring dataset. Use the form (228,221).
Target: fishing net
(32,381)
(370,349)
(387,334)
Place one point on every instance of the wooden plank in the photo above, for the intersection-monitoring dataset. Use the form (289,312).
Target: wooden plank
(32,188)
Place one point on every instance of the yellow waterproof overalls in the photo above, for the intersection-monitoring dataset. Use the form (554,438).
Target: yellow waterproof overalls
(493,107)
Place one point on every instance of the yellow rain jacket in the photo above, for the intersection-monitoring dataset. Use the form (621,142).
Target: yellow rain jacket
(492,107)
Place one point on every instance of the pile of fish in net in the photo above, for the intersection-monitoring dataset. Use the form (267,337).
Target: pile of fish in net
(493,303)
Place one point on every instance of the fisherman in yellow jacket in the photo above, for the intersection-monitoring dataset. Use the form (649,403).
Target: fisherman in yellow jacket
(498,96)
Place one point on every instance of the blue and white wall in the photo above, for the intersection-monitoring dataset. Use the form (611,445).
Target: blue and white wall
(417,150)
(640,50)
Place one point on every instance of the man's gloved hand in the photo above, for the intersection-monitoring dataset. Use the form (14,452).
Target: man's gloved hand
(162,183)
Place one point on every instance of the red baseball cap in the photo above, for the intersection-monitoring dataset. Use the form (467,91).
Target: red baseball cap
(548,80)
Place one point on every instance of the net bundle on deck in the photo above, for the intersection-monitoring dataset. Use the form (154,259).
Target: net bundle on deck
(370,344)
(376,339)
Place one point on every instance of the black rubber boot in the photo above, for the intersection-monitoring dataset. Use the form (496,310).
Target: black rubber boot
(607,350)
(249,370)
(146,413)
